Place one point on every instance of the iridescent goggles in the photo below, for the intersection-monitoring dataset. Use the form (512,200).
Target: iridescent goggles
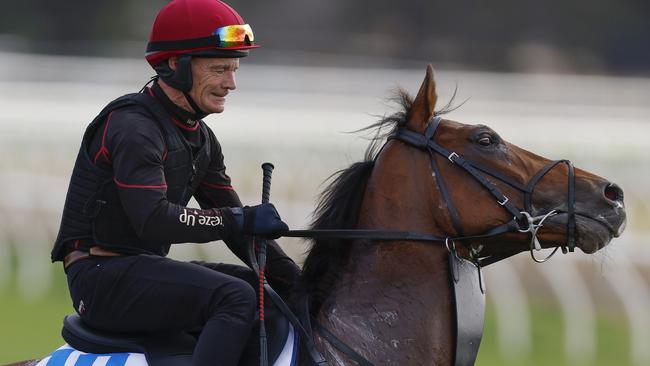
(232,36)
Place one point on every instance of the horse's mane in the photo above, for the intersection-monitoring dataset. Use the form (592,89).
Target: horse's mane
(338,208)
(339,204)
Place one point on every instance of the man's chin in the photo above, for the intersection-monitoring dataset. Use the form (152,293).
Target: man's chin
(215,109)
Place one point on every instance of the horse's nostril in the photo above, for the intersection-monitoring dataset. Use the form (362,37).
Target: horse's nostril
(614,193)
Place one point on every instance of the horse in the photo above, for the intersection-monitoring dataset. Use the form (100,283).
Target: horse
(391,300)
(431,195)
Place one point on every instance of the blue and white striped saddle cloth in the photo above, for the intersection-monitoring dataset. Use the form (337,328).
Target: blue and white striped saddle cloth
(68,356)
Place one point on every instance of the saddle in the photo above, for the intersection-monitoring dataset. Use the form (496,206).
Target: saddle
(174,348)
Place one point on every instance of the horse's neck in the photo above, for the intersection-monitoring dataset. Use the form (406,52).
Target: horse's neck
(393,306)
(393,302)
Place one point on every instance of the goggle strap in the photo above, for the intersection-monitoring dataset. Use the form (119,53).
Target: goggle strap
(188,44)
(185,44)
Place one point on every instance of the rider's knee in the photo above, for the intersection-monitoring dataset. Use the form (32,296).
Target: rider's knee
(240,296)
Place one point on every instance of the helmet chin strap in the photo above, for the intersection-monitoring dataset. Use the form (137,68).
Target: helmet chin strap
(198,112)
(181,79)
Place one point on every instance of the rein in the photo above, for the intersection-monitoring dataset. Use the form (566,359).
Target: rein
(469,332)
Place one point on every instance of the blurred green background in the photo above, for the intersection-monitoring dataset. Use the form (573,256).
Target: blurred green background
(565,79)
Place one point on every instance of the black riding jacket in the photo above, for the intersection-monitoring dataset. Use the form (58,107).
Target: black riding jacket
(138,166)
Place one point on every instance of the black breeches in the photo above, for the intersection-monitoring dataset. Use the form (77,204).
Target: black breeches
(146,293)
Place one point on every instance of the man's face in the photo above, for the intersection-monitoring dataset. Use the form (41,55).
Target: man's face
(212,79)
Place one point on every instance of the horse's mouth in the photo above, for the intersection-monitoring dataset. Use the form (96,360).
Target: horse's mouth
(592,233)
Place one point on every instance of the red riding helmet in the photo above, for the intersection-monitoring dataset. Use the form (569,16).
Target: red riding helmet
(195,28)
(200,28)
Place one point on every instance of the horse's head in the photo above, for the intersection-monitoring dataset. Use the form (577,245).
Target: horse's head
(573,204)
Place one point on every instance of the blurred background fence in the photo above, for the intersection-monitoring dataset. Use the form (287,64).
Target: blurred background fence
(297,118)
(552,77)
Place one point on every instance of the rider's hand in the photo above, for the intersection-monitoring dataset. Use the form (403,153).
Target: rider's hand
(262,220)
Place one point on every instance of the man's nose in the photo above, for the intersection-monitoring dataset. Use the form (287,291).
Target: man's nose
(229,81)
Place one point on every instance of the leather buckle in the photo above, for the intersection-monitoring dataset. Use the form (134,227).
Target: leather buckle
(77,255)
(74,256)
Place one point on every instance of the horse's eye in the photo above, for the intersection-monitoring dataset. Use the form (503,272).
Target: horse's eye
(485,141)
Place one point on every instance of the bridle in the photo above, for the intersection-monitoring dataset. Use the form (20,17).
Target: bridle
(523,220)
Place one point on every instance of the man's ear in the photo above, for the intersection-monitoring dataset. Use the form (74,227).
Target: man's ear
(173,62)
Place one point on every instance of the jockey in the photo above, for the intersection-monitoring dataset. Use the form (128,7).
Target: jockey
(141,160)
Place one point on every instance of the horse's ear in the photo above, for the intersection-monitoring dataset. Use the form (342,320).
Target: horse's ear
(424,104)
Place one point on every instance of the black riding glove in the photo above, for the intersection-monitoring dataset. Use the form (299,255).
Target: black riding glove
(261,220)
